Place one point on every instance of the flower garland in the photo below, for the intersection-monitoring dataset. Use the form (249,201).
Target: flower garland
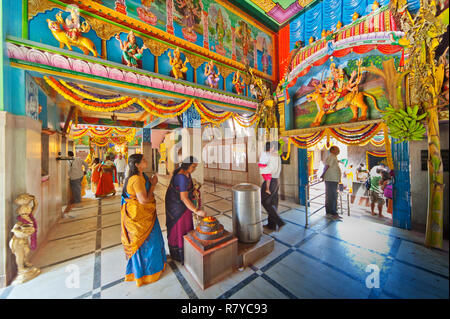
(93,106)
(209,115)
(128,133)
(162,111)
(90,96)
(243,121)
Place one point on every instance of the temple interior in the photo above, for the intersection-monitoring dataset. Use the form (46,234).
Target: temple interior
(224,149)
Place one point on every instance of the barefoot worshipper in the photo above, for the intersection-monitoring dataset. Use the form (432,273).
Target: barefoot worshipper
(141,237)
(180,206)
(108,176)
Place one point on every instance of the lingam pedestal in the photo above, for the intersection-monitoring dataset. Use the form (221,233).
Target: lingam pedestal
(210,252)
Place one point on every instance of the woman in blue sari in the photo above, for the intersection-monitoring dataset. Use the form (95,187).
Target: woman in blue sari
(180,205)
(141,234)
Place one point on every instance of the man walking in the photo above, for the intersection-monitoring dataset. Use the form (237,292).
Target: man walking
(332,177)
(121,164)
(76,175)
(269,200)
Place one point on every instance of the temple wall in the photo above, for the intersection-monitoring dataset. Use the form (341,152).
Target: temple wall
(419,183)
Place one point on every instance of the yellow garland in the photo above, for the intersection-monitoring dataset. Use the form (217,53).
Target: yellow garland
(387,144)
(188,105)
(90,97)
(164,108)
(241,122)
(288,154)
(211,120)
(375,132)
(209,112)
(88,107)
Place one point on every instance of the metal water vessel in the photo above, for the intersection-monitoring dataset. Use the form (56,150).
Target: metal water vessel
(247,220)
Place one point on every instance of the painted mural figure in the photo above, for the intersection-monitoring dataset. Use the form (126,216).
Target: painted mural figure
(145,14)
(338,93)
(220,29)
(238,83)
(244,33)
(212,78)
(179,68)
(71,32)
(265,57)
(191,12)
(132,54)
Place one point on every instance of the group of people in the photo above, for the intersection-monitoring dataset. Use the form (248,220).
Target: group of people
(141,234)
(379,186)
(103,175)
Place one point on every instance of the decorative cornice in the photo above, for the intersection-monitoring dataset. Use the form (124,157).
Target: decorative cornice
(40,6)
(98,11)
(94,67)
(281,15)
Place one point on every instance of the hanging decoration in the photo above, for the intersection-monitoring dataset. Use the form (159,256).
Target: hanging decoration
(82,102)
(128,133)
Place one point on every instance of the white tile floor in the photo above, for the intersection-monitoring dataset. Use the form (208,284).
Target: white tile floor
(326,260)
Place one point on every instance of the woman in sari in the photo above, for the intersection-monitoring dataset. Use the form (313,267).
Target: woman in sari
(141,234)
(108,176)
(179,207)
(95,176)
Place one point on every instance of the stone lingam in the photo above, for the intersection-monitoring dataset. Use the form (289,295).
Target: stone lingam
(210,252)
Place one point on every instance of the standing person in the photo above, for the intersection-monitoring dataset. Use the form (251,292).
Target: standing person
(386,187)
(121,164)
(95,176)
(141,234)
(108,175)
(332,177)
(179,207)
(264,168)
(269,200)
(76,174)
(376,194)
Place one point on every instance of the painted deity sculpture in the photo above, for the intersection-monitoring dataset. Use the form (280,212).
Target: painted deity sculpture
(212,79)
(145,14)
(132,54)
(179,68)
(19,244)
(220,32)
(71,32)
(238,83)
(338,93)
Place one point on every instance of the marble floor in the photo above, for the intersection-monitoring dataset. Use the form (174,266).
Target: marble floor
(83,258)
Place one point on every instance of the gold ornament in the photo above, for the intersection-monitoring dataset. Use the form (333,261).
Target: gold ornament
(179,67)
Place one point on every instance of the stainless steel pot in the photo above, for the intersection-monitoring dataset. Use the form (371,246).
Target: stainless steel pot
(247,220)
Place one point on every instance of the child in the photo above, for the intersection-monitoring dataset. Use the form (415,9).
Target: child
(265,169)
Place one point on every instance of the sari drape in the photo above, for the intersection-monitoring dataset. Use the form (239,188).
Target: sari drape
(178,217)
(141,238)
(95,177)
(108,175)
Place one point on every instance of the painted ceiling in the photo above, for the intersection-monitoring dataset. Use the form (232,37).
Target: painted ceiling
(272,12)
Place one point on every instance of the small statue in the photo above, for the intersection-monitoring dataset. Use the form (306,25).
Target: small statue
(212,79)
(179,68)
(311,40)
(132,54)
(19,243)
(355,16)
(299,44)
(71,33)
(238,83)
(338,25)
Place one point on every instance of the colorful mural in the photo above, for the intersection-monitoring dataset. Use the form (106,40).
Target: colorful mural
(219,27)
(340,92)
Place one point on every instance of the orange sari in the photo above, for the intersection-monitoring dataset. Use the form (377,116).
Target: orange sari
(108,174)
(95,177)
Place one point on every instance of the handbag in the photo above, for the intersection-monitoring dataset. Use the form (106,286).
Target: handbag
(388,191)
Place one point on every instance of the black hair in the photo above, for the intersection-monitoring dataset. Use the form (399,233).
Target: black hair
(70,153)
(96,160)
(132,169)
(187,162)
(267,146)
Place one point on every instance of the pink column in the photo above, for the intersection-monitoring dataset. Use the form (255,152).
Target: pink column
(169,9)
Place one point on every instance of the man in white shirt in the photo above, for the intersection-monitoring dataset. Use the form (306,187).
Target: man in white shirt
(332,177)
(76,174)
(121,165)
(270,201)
